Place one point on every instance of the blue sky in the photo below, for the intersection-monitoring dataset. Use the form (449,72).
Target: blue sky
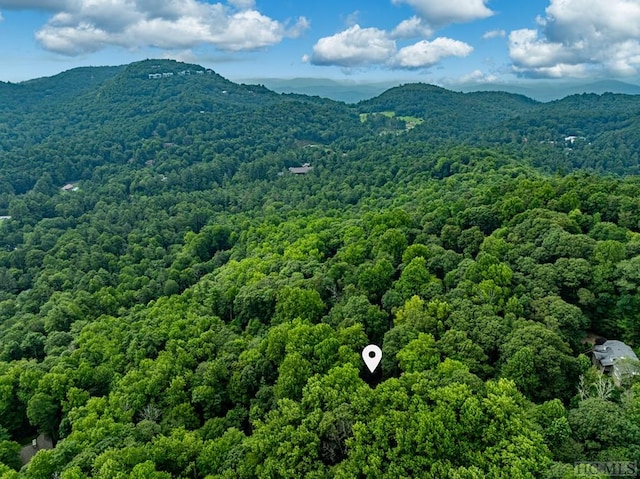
(439,41)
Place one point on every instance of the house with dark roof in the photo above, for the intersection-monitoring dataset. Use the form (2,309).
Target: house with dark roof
(616,359)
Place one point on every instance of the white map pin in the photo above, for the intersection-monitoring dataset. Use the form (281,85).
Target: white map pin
(372,355)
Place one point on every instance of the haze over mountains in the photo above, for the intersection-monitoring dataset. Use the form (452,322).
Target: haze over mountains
(353,92)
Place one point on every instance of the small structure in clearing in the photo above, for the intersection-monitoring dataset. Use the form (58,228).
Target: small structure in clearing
(40,443)
(301,170)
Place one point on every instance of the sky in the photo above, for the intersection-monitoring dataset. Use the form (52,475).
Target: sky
(436,41)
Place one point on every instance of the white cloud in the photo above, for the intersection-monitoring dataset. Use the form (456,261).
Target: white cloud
(81,26)
(425,54)
(494,34)
(529,51)
(578,38)
(298,28)
(478,76)
(75,40)
(412,28)
(572,20)
(353,47)
(439,12)
(360,47)
(246,30)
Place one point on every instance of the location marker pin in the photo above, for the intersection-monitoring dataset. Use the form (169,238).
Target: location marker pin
(372,355)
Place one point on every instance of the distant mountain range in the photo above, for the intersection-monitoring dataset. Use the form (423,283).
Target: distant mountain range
(339,90)
(548,91)
(353,92)
(348,91)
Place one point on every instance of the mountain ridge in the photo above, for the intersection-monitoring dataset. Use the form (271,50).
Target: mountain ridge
(130,105)
(85,78)
(351,91)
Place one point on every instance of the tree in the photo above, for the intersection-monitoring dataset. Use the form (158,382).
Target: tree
(358,310)
(222,454)
(420,354)
(147,470)
(562,317)
(540,362)
(376,279)
(294,372)
(416,279)
(418,428)
(456,345)
(415,250)
(393,242)
(43,412)
(521,369)
(10,454)
(294,302)
(598,424)
(551,416)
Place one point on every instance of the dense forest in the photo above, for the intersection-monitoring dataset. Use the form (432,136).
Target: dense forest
(175,303)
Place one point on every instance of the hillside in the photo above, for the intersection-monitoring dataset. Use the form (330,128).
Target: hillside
(130,117)
(175,302)
(424,100)
(588,131)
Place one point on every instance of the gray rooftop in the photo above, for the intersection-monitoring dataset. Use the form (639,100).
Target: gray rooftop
(619,356)
(614,350)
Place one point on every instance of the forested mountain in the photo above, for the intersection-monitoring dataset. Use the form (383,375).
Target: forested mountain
(174,302)
(44,92)
(476,110)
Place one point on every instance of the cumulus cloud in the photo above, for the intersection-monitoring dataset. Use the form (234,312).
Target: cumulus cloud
(412,28)
(439,12)
(354,47)
(494,34)
(362,47)
(81,26)
(425,54)
(358,47)
(578,38)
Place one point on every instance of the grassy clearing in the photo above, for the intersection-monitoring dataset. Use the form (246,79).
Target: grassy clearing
(410,121)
